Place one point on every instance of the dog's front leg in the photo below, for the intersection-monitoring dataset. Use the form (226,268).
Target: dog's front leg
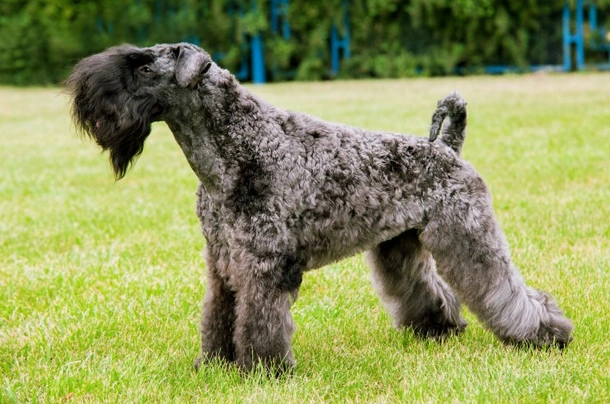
(264,326)
(218,318)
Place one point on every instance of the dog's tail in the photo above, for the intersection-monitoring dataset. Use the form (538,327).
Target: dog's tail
(453,132)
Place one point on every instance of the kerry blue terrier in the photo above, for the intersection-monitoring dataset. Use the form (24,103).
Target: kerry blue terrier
(282,193)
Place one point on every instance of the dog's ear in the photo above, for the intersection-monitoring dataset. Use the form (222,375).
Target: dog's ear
(191,65)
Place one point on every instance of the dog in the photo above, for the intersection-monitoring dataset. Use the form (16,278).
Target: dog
(281,193)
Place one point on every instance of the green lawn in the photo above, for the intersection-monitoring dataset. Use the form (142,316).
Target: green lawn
(101,282)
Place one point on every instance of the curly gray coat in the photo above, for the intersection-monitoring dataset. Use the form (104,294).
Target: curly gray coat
(282,193)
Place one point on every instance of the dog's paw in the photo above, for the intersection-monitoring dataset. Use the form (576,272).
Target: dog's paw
(439,329)
(271,366)
(210,358)
(198,362)
(558,335)
(554,328)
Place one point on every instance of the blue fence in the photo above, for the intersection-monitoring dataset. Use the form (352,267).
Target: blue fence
(574,41)
(574,36)
(255,69)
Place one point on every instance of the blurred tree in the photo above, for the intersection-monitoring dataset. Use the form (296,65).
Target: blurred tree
(42,39)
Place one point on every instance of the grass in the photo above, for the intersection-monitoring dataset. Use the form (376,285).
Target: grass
(101,282)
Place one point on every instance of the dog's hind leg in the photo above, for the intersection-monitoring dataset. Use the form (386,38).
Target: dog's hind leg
(472,256)
(404,276)
(218,318)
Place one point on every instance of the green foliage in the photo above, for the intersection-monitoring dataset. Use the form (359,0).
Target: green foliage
(41,39)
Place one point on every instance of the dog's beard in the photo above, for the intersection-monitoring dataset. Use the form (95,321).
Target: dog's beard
(128,146)
(121,132)
(106,109)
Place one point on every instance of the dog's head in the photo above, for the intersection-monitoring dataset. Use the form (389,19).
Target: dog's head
(118,93)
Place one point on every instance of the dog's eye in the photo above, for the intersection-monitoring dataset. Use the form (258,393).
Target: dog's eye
(145,70)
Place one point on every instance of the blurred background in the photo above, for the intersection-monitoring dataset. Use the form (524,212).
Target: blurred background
(278,40)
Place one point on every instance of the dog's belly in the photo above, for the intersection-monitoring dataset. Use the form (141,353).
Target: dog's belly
(334,248)
(345,234)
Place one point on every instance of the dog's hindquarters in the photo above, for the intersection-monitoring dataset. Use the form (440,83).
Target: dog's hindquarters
(453,132)
(472,256)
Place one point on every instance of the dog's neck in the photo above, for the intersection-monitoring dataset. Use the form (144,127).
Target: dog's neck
(200,151)
(219,133)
